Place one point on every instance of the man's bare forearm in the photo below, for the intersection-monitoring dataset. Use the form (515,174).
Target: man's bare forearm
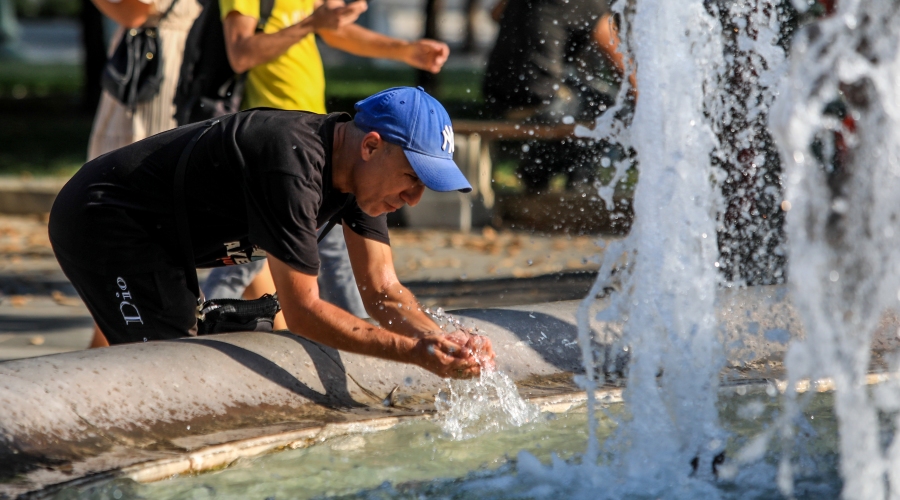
(246,52)
(398,310)
(334,327)
(363,42)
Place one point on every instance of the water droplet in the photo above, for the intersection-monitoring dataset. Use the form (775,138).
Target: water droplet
(833,276)
(840,206)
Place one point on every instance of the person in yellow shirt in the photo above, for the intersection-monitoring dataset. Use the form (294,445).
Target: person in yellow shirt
(284,71)
(285,68)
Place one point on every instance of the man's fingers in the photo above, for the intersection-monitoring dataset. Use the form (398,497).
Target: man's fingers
(350,13)
(357,7)
(453,360)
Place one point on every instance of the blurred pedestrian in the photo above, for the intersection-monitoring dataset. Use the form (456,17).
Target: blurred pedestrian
(115,124)
(554,62)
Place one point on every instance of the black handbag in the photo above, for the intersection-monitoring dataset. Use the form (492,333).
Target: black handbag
(223,315)
(134,72)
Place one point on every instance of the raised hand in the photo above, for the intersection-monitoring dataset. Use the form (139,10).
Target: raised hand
(428,55)
(335,14)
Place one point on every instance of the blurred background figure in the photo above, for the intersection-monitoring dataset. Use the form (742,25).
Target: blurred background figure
(115,125)
(9,29)
(554,62)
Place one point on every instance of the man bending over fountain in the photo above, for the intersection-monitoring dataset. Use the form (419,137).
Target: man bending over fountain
(260,183)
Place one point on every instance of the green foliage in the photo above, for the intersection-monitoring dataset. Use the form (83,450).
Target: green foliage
(47,8)
(41,147)
(42,131)
(21,80)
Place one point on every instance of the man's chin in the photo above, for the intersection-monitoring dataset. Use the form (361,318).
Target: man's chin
(373,212)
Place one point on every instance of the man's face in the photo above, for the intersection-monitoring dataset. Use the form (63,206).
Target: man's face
(387,181)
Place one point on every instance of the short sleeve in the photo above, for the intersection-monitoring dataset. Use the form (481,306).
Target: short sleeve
(373,228)
(244,7)
(282,220)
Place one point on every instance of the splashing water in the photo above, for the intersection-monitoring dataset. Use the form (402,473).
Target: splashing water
(844,252)
(471,408)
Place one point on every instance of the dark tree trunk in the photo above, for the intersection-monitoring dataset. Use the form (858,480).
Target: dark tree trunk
(93,42)
(469,43)
(424,79)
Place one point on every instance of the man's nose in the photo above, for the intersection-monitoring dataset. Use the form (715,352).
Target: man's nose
(412,195)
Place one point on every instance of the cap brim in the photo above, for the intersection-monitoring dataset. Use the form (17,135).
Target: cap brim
(438,174)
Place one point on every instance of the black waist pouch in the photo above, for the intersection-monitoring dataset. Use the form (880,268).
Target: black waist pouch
(236,315)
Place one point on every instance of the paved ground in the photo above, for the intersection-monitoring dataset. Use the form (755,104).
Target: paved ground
(41,314)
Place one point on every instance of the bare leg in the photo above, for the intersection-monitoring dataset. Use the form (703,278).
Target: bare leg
(263,284)
(99,339)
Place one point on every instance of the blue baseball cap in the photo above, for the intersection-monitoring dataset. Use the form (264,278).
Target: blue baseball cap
(415,121)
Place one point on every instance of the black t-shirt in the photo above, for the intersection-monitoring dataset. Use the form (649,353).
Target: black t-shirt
(538,43)
(118,212)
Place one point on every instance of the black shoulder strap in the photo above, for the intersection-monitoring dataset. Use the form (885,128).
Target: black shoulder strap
(166,13)
(265,12)
(181,215)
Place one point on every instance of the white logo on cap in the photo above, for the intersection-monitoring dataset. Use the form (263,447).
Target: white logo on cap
(448,138)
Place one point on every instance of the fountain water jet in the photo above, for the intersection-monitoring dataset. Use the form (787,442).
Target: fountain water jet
(844,253)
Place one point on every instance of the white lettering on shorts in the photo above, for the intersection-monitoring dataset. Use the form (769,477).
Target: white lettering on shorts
(129,311)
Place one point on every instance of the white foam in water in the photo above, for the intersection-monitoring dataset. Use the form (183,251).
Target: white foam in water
(843,225)
(471,408)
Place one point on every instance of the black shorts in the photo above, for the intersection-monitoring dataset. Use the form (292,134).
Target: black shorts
(135,307)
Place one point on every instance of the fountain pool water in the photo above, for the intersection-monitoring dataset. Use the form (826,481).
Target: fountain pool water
(420,460)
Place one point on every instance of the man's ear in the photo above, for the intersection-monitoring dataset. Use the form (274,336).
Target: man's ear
(370,143)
